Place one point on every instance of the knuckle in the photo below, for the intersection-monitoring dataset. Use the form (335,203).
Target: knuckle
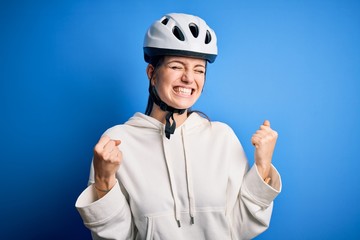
(112,143)
(106,156)
(97,148)
(105,137)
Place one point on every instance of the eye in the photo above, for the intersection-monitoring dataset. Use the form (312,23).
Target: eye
(200,71)
(176,66)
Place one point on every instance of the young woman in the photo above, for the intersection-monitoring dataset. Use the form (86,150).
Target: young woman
(171,173)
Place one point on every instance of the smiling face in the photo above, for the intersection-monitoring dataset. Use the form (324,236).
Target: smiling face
(179,81)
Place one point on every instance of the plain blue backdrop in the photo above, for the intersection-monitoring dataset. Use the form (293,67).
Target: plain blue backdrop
(71,69)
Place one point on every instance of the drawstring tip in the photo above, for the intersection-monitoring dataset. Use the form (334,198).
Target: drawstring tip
(192,221)
(178,222)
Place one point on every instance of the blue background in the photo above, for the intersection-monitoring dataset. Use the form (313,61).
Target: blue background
(71,69)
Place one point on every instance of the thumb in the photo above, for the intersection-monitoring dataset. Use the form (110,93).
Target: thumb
(117,142)
(267,123)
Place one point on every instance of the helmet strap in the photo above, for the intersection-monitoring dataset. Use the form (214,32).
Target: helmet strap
(169,127)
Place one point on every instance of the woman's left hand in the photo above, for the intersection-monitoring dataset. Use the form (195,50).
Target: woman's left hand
(264,141)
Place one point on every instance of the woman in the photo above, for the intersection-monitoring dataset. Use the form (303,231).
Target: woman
(171,173)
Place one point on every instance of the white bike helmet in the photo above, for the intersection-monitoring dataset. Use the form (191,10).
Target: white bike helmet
(180,35)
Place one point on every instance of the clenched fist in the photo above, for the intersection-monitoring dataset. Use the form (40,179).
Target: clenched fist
(107,159)
(264,141)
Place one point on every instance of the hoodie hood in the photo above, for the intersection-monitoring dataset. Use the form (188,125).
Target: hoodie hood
(143,121)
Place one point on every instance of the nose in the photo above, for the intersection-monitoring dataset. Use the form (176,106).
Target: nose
(187,77)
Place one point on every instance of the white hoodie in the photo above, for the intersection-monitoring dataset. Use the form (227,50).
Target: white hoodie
(195,185)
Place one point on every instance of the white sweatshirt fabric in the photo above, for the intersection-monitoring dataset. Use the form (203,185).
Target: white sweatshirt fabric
(195,185)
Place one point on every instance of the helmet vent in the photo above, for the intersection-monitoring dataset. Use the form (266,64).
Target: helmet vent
(207,37)
(194,29)
(178,34)
(165,21)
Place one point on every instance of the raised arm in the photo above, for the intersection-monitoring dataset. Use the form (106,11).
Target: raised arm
(102,205)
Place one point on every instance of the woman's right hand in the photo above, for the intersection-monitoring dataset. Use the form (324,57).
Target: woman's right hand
(107,160)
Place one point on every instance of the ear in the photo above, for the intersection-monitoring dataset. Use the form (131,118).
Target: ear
(150,71)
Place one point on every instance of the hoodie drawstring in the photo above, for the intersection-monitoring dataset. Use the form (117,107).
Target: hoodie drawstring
(172,186)
(189,183)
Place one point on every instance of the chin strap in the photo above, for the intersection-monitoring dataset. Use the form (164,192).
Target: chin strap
(169,128)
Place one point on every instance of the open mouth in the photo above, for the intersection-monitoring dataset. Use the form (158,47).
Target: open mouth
(183,91)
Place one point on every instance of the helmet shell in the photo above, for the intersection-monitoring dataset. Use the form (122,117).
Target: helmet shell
(180,35)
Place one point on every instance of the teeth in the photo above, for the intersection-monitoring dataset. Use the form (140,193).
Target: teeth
(186,91)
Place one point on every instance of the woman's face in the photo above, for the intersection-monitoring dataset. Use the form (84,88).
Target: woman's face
(179,81)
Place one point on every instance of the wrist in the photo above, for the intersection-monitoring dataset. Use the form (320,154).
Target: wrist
(264,170)
(104,184)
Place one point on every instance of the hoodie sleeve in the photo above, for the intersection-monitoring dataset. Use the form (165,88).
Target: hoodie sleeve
(108,217)
(250,199)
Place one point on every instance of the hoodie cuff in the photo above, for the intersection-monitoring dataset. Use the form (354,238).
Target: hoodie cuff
(97,211)
(258,189)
